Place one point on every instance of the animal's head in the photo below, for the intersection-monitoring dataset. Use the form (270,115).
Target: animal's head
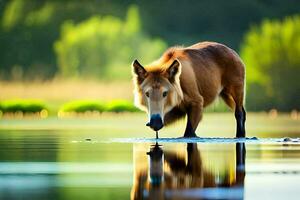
(157,90)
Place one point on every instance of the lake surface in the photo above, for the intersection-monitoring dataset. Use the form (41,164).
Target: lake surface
(87,163)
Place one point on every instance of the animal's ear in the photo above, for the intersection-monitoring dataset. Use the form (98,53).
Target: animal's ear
(174,70)
(139,71)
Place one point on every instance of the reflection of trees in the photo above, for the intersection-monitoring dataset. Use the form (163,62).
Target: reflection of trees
(168,171)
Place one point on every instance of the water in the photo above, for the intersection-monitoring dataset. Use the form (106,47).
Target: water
(45,164)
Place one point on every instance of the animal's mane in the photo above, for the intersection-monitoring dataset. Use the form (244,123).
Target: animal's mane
(165,60)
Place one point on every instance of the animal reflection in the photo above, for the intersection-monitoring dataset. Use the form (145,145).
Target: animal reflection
(169,175)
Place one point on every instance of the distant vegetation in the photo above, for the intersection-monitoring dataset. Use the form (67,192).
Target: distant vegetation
(81,106)
(87,107)
(85,40)
(121,106)
(271,52)
(93,107)
(29,29)
(104,47)
(23,107)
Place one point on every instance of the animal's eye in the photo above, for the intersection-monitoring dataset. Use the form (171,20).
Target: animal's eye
(165,94)
(147,94)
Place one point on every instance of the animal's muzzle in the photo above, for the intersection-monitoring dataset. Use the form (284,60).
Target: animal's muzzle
(156,122)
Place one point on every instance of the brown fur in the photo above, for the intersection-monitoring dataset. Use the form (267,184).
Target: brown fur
(207,70)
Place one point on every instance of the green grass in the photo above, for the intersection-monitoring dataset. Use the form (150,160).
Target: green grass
(86,107)
(110,125)
(120,106)
(83,106)
(22,105)
(75,107)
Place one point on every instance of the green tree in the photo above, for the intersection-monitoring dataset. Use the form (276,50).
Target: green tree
(29,28)
(104,47)
(271,54)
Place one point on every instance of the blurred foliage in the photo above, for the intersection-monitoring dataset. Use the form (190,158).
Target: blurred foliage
(84,106)
(81,106)
(104,47)
(271,53)
(28,29)
(99,39)
(121,106)
(22,105)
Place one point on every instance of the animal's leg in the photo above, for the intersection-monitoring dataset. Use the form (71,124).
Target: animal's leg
(194,115)
(173,115)
(240,113)
(234,98)
(240,116)
(228,99)
(189,131)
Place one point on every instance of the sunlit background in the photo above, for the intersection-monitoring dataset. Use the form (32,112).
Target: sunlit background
(60,51)
(66,95)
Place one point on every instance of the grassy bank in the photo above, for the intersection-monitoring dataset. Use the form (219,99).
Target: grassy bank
(57,92)
(34,108)
(60,96)
(133,125)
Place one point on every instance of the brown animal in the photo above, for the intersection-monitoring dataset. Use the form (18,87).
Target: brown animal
(185,80)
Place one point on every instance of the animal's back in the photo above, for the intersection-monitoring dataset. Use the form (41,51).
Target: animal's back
(212,66)
(223,62)
(203,54)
